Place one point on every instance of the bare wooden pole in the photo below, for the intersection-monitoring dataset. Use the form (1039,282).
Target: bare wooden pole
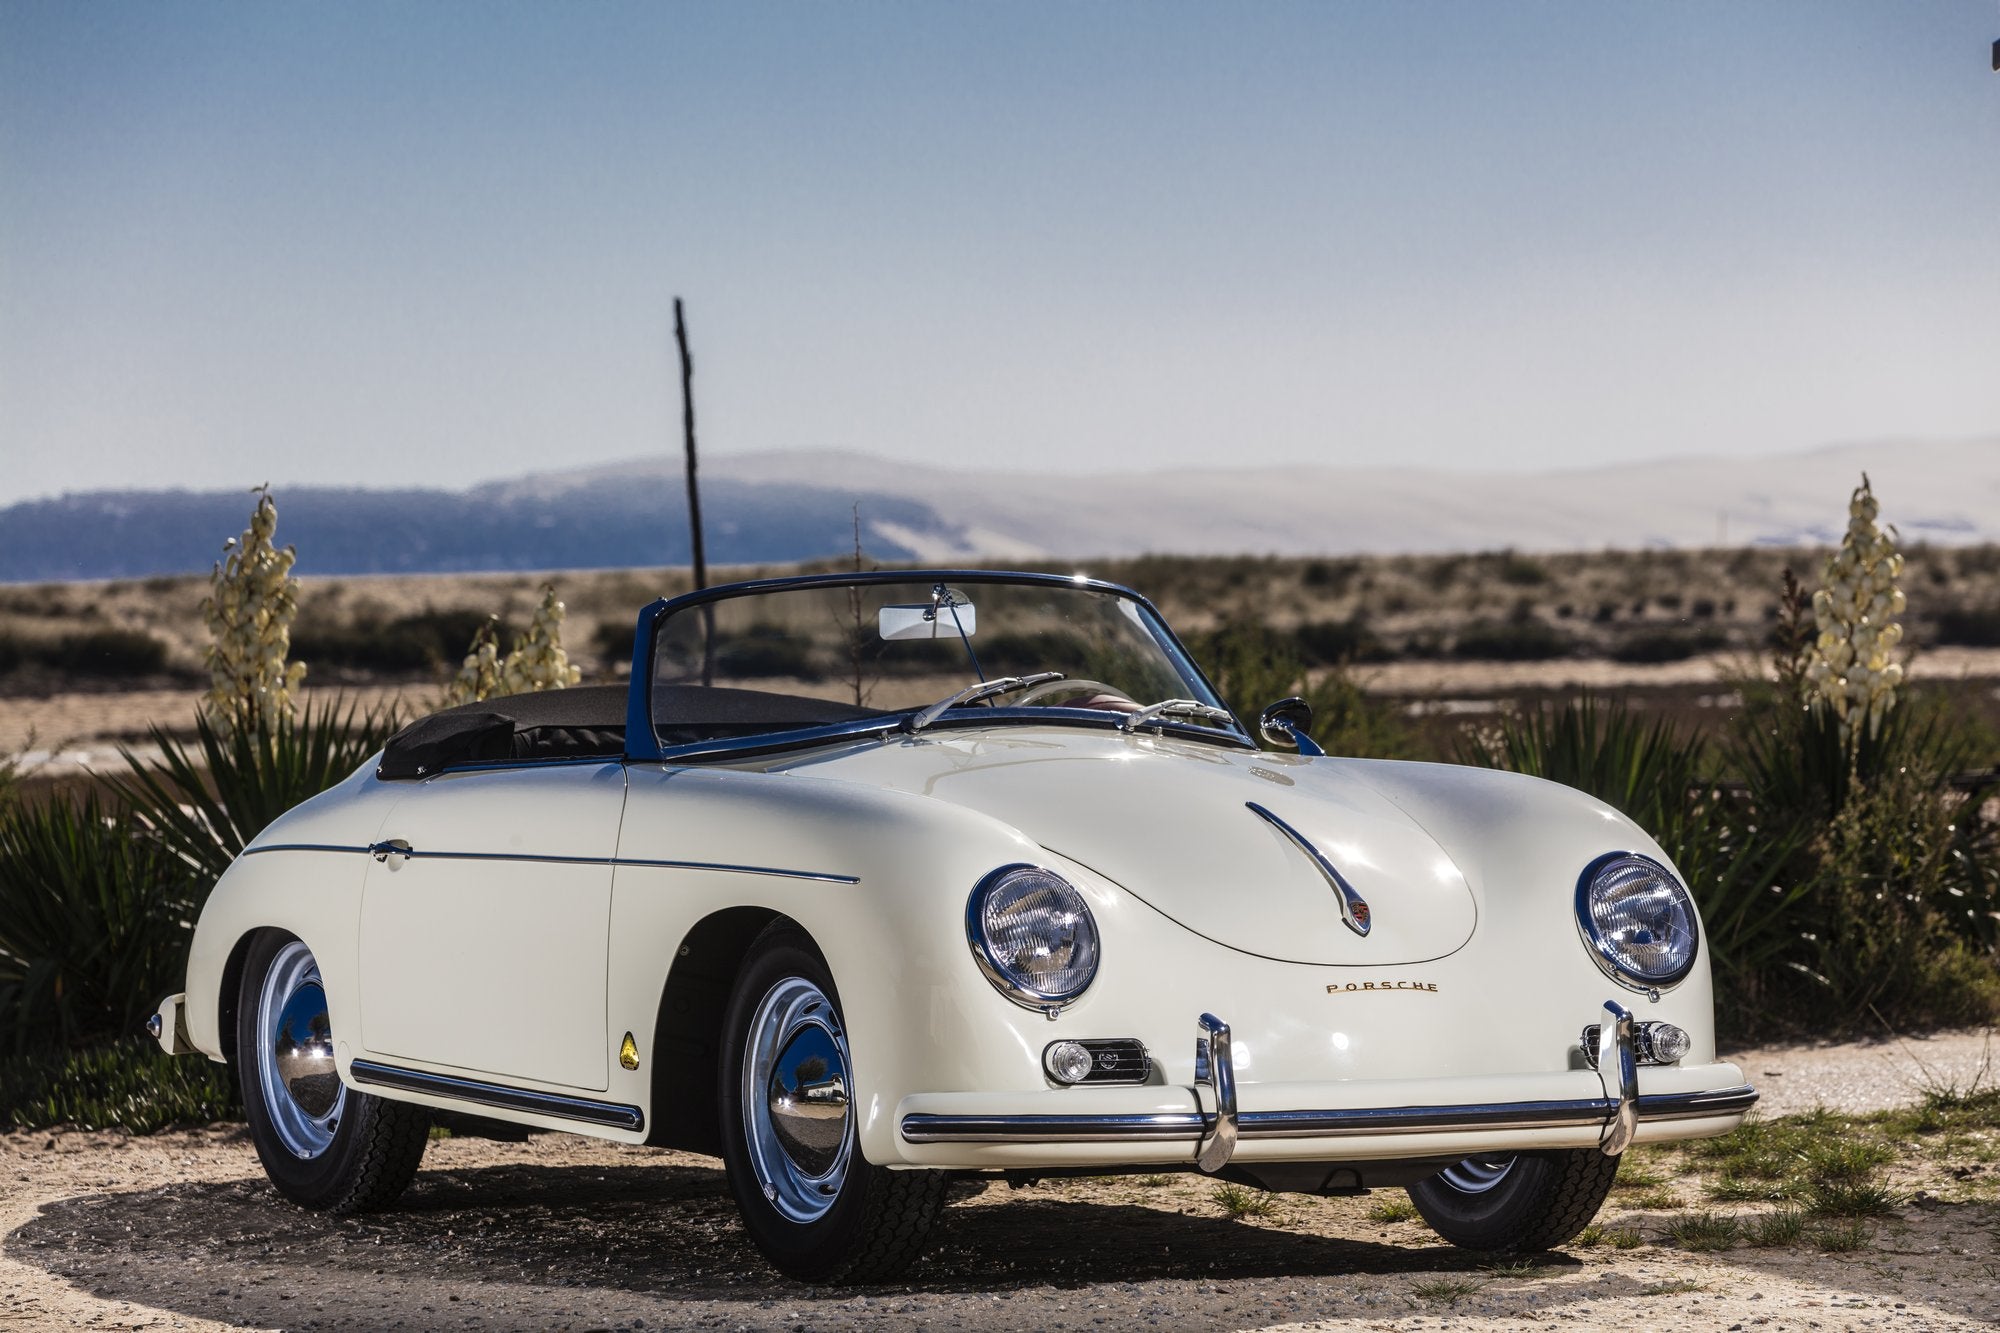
(687,431)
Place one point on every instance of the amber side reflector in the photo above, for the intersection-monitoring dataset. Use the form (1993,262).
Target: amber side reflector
(628,1052)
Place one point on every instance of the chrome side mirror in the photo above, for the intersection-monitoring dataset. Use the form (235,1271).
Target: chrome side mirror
(1286,723)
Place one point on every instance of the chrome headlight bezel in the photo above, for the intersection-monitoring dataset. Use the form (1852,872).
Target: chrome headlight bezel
(1600,949)
(1004,977)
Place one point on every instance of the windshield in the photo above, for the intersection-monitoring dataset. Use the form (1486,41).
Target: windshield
(790,658)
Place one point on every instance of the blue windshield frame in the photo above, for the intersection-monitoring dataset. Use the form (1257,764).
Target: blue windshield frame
(642,742)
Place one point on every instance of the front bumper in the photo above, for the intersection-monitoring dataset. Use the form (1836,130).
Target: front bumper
(1216,1121)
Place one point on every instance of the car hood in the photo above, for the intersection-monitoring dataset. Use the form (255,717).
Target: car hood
(1169,821)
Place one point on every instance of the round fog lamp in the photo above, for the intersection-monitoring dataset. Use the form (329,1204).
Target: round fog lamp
(1669,1043)
(1066,1062)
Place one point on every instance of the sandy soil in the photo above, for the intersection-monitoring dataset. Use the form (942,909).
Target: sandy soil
(180,1231)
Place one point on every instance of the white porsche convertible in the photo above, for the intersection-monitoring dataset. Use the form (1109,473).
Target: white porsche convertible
(869,880)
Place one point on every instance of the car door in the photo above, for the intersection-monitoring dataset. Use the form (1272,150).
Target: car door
(485,920)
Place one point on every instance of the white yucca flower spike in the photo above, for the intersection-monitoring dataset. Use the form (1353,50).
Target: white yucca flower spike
(1852,667)
(479,674)
(538,661)
(252,599)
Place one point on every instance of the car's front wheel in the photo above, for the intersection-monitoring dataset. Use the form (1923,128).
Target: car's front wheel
(323,1144)
(813,1204)
(1516,1203)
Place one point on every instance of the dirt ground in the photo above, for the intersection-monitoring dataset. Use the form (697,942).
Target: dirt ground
(179,1230)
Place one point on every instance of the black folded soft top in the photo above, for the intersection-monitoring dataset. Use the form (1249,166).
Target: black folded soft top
(588,721)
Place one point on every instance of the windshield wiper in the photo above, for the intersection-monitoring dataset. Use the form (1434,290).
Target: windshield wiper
(972,694)
(1190,707)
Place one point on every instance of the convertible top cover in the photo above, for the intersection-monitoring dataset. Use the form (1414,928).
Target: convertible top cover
(588,721)
(548,724)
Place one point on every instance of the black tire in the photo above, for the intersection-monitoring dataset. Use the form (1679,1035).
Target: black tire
(1537,1202)
(851,1221)
(339,1150)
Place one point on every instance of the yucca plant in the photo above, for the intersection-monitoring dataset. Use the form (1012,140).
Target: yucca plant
(94,923)
(1649,769)
(1747,877)
(206,803)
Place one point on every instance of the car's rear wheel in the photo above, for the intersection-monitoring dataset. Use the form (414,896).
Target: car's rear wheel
(323,1144)
(1516,1202)
(813,1204)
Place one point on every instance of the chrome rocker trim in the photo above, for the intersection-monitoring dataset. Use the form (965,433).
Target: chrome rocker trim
(609,1114)
(1169,1125)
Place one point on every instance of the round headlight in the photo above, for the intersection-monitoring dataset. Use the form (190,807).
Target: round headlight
(1637,919)
(1033,936)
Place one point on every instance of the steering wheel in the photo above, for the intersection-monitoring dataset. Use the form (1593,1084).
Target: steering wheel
(1112,700)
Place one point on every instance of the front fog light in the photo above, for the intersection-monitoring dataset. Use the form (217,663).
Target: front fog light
(1653,1043)
(1067,1062)
(1666,1043)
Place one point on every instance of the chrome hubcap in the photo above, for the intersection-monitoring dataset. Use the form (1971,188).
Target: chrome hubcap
(295,1067)
(1476,1175)
(798,1116)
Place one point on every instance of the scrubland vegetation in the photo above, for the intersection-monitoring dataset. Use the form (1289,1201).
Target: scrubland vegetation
(1636,607)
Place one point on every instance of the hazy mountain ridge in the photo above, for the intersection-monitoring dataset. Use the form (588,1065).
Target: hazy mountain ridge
(605,524)
(774,507)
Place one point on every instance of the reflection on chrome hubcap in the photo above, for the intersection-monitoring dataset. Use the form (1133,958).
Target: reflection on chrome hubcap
(797,1117)
(304,1051)
(1476,1175)
(808,1100)
(295,1069)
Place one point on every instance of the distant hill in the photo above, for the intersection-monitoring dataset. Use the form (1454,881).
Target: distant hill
(769,508)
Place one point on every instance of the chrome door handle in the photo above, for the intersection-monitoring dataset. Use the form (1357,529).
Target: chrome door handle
(395,847)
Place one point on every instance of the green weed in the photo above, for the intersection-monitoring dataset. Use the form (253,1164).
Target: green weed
(1841,1238)
(1704,1231)
(1391,1210)
(1786,1226)
(1239,1203)
(1446,1291)
(1844,1198)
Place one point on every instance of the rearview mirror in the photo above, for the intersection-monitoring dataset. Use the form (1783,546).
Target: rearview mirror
(924,621)
(1287,723)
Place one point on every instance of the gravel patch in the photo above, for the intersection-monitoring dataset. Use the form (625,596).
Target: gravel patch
(180,1230)
(1874,1075)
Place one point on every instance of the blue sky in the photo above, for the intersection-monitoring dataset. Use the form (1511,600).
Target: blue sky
(431,243)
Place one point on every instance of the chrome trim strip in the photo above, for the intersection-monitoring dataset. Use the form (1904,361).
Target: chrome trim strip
(479,1093)
(412,854)
(929,1128)
(1170,1125)
(301,847)
(1353,907)
(822,876)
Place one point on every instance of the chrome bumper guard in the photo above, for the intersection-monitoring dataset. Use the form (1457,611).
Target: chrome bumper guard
(1618,1112)
(1215,1066)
